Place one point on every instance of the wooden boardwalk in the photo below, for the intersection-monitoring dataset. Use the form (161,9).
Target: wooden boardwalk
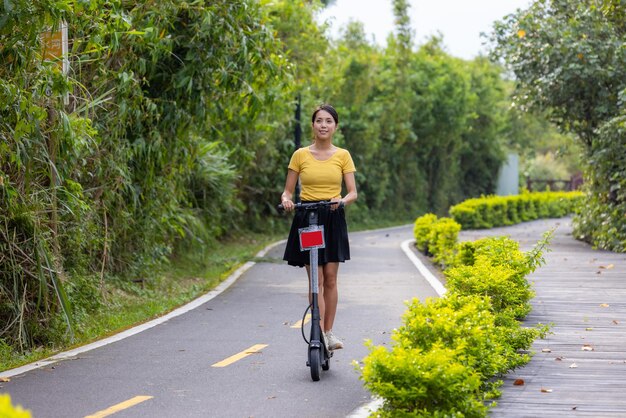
(580,369)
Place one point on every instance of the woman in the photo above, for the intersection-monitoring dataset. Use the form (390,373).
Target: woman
(321,168)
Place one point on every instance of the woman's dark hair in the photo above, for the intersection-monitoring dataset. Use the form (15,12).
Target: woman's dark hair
(327,108)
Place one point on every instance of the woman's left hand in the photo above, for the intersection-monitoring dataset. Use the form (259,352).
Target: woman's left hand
(338,205)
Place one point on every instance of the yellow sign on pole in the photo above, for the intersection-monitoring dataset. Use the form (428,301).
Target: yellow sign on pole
(56,48)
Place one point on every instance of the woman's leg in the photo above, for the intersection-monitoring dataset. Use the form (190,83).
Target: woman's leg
(329,294)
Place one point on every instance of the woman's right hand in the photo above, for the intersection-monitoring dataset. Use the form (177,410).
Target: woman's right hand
(288,205)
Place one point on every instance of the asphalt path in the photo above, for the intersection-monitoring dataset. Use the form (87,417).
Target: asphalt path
(185,367)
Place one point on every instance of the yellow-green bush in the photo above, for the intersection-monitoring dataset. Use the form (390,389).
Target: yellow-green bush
(490,211)
(421,231)
(446,358)
(508,296)
(423,383)
(7,410)
(436,237)
(443,238)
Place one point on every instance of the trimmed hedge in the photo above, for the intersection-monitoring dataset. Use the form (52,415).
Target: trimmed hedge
(447,358)
(490,211)
(436,237)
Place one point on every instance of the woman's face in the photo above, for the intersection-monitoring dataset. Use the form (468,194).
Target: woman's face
(324,125)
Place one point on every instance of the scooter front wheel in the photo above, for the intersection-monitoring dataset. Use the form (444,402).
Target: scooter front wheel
(315,362)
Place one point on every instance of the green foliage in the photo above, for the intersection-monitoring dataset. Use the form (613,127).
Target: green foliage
(156,140)
(503,251)
(436,237)
(172,129)
(7,410)
(464,340)
(490,211)
(569,61)
(460,322)
(409,113)
(445,359)
(421,231)
(443,237)
(508,296)
(484,136)
(544,167)
(567,57)
(415,383)
(602,223)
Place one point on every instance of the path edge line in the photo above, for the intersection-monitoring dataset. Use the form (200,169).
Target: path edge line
(434,282)
(225,284)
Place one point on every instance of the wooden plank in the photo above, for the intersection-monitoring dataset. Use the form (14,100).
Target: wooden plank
(582,292)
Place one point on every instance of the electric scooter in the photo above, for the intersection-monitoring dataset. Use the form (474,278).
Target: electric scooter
(312,239)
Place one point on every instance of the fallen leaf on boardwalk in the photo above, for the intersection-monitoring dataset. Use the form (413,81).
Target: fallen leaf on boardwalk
(604,305)
(574,408)
(615,322)
(589,329)
(598,272)
(4,379)
(544,390)
(558,359)
(610,266)
(519,382)
(587,347)
(546,350)
(573,366)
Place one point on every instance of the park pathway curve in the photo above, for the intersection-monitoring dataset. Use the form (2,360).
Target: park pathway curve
(580,368)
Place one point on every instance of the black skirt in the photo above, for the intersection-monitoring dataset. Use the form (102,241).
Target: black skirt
(335,237)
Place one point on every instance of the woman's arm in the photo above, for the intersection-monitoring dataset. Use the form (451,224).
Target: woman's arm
(348,179)
(290,187)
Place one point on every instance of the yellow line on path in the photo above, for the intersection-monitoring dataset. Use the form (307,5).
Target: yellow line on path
(298,324)
(120,407)
(245,353)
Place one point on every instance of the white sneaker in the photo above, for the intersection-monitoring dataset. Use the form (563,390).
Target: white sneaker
(324,339)
(333,342)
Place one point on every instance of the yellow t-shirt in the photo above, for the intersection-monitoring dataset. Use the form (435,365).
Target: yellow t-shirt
(321,180)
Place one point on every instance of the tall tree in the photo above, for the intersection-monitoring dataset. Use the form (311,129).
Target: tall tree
(569,60)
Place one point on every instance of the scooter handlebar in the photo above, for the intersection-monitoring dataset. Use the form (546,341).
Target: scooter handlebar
(311,205)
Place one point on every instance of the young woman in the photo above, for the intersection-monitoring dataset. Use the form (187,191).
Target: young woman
(321,168)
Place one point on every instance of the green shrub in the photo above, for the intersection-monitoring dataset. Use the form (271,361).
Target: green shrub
(442,240)
(418,383)
(444,359)
(513,210)
(465,254)
(447,356)
(503,251)
(436,237)
(490,211)
(462,322)
(421,231)
(602,222)
(7,410)
(509,295)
